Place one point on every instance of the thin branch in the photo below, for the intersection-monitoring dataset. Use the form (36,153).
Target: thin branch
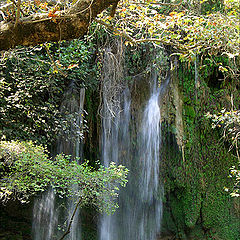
(18,12)
(71,219)
(5,7)
(158,3)
(125,35)
(113,10)
(72,9)
(136,41)
(54,64)
(16,5)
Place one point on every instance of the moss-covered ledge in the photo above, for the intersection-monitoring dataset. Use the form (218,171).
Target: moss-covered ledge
(196,205)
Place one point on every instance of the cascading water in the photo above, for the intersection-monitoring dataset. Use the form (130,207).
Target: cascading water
(140,205)
(149,148)
(45,213)
(45,217)
(76,153)
(140,212)
(126,139)
(115,141)
(112,115)
(149,206)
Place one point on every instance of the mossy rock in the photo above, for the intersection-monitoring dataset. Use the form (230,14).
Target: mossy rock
(189,111)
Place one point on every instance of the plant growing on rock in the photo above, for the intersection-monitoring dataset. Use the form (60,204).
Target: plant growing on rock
(229,123)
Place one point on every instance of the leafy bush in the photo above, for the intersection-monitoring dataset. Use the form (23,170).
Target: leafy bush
(26,170)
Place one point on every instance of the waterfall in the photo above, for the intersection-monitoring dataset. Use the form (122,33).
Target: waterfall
(140,205)
(115,119)
(115,140)
(130,136)
(46,217)
(149,207)
(75,233)
(140,211)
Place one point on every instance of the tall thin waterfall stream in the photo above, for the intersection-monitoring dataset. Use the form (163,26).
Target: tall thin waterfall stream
(140,211)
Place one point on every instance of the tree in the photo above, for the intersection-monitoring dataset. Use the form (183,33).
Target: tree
(34,82)
(190,28)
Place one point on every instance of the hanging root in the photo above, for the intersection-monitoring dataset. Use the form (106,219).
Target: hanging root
(112,81)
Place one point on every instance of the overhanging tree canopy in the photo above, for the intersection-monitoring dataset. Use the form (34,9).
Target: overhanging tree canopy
(190,28)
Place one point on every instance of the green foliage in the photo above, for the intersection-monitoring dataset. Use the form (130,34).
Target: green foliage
(76,60)
(189,28)
(229,123)
(32,84)
(26,170)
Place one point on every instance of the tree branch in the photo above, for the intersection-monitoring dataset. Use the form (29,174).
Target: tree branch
(113,10)
(123,34)
(136,41)
(40,28)
(54,64)
(71,219)
(18,12)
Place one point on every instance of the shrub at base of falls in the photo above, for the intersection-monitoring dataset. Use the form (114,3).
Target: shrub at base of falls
(27,170)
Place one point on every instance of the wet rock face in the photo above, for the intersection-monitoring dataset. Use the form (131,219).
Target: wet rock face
(15,221)
(196,205)
(169,237)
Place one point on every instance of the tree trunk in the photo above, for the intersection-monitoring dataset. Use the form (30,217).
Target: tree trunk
(68,25)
